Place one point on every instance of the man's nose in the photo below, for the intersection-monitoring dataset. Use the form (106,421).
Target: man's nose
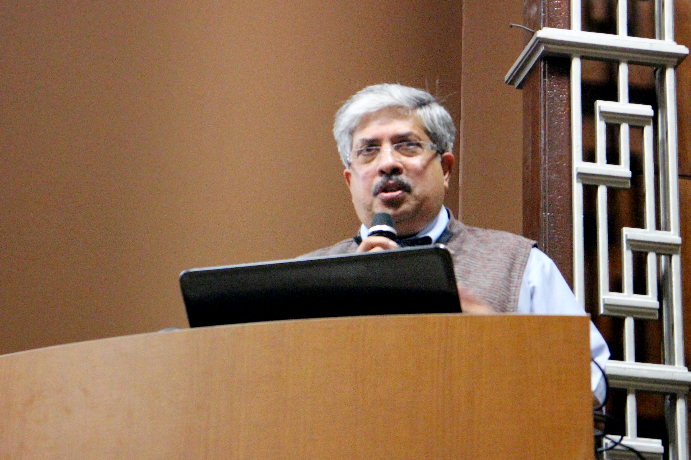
(389,161)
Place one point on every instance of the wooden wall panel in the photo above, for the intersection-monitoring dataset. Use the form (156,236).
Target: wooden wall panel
(491,127)
(142,138)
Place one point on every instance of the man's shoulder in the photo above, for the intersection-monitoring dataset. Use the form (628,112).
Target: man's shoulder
(464,234)
(348,246)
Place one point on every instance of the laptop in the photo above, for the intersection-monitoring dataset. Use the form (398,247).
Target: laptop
(400,281)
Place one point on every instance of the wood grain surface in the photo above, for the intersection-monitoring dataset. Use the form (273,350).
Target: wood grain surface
(437,386)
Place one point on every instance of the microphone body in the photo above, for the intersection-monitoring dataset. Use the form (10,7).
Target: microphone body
(383,225)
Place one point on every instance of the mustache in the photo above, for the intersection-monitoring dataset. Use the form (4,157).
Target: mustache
(391,182)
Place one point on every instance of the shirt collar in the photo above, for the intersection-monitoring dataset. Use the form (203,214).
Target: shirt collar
(433,230)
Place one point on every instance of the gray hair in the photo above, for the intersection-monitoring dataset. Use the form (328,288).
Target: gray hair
(435,119)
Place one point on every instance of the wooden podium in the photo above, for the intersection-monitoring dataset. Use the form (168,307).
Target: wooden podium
(387,387)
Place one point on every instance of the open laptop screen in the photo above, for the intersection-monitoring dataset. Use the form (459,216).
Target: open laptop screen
(401,281)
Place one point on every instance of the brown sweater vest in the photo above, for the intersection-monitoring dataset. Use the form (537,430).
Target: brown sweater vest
(488,263)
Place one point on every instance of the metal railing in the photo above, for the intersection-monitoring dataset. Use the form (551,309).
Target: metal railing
(661,246)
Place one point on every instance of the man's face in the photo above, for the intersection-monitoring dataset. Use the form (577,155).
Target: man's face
(410,189)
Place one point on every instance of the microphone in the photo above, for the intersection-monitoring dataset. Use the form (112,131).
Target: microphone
(382,225)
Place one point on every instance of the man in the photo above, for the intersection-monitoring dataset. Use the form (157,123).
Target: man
(395,143)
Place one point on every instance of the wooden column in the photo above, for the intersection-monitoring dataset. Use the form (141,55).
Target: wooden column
(547,208)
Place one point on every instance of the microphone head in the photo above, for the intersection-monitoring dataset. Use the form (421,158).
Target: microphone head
(382,225)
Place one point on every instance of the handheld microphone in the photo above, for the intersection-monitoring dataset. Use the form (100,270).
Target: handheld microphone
(382,225)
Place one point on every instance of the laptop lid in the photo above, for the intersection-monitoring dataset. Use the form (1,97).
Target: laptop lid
(400,281)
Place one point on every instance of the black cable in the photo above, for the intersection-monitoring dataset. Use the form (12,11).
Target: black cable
(600,435)
(604,376)
(603,418)
(620,444)
(614,442)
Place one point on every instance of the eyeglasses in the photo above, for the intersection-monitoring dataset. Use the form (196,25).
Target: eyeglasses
(407,149)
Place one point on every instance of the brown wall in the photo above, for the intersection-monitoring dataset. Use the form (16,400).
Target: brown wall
(140,139)
(491,126)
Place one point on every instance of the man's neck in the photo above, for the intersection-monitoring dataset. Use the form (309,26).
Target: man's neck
(434,229)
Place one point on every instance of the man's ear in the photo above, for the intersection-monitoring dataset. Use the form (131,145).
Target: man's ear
(346,176)
(447,161)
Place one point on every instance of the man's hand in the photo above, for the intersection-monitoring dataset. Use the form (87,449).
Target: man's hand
(471,304)
(376,243)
